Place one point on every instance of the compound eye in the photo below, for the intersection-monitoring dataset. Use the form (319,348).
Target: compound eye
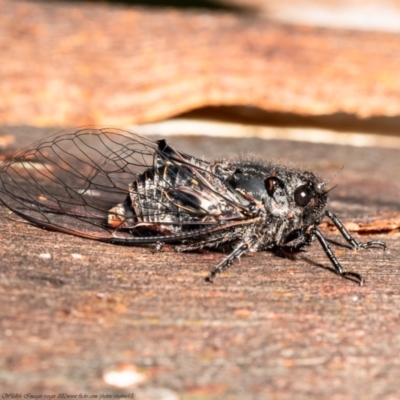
(272,184)
(303,194)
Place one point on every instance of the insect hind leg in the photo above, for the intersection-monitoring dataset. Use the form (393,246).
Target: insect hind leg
(240,249)
(353,242)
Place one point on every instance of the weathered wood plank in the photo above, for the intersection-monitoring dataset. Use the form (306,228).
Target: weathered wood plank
(268,328)
(84,63)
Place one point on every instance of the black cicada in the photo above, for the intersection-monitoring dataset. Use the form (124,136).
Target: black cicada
(117,187)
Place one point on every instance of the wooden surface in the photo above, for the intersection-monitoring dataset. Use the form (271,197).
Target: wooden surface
(268,328)
(78,63)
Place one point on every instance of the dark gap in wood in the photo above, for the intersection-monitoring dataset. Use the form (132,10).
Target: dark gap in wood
(338,121)
(212,5)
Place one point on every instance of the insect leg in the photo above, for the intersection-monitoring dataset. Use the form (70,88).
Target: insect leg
(338,268)
(236,253)
(354,243)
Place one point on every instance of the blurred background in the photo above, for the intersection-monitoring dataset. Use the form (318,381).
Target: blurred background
(325,71)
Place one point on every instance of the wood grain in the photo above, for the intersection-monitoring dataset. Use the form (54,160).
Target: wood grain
(268,328)
(82,63)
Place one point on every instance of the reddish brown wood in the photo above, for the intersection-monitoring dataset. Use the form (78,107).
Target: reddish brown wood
(268,328)
(83,63)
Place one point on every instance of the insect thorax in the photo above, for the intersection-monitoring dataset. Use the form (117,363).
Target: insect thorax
(279,189)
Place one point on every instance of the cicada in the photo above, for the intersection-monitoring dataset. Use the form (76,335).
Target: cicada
(118,187)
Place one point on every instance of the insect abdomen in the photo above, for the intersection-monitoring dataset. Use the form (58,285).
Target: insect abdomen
(149,198)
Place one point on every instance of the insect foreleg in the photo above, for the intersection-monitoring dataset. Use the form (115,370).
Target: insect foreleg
(297,239)
(353,242)
(338,268)
(240,249)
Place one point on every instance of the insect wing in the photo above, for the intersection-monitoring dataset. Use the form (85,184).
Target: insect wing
(69,182)
(73,183)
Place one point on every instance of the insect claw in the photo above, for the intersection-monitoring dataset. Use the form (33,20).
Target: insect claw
(345,233)
(353,276)
(338,268)
(373,243)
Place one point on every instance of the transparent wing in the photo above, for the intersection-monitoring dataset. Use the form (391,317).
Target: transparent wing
(78,183)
